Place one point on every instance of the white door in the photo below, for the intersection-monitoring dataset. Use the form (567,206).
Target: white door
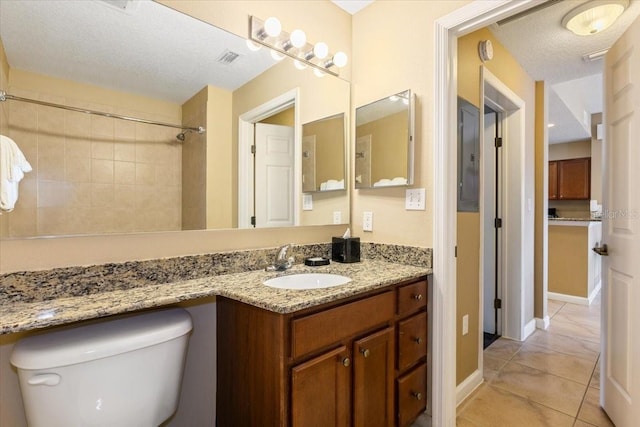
(488,202)
(274,176)
(620,371)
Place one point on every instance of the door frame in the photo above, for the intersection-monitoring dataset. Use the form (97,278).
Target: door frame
(246,136)
(447,29)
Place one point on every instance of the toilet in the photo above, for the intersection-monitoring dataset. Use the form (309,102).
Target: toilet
(125,371)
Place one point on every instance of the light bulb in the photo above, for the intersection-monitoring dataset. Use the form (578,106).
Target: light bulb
(277,55)
(318,72)
(394,98)
(298,38)
(272,26)
(254,47)
(321,50)
(299,65)
(340,59)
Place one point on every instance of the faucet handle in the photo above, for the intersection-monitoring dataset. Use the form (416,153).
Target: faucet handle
(282,251)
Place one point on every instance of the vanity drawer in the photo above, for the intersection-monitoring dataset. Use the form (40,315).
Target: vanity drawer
(412,340)
(412,297)
(412,395)
(330,326)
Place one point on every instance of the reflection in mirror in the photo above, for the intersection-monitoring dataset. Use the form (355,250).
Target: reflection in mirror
(384,142)
(323,155)
(95,175)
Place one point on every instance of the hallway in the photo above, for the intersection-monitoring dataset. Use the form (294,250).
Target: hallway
(552,379)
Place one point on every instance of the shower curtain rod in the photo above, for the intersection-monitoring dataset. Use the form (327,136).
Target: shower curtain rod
(4,96)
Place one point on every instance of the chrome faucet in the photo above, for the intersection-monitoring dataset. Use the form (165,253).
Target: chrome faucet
(282,262)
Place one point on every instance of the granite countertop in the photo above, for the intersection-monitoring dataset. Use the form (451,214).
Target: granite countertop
(24,306)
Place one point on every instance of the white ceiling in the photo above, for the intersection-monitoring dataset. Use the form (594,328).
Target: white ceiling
(549,52)
(147,48)
(352,6)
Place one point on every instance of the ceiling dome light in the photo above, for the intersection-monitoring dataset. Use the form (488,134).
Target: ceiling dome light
(298,38)
(272,27)
(340,59)
(321,50)
(594,16)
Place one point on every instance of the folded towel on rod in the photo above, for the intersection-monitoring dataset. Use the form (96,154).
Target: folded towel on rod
(13,166)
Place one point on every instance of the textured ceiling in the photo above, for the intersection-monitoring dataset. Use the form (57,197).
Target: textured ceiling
(147,48)
(549,52)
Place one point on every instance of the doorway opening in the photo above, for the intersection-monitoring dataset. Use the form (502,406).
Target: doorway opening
(492,224)
(268,166)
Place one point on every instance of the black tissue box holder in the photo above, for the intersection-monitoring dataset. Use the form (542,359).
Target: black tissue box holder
(345,249)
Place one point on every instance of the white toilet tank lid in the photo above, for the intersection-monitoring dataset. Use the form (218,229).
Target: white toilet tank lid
(98,339)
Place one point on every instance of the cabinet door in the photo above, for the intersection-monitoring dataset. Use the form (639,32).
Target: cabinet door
(553,180)
(373,379)
(320,390)
(574,179)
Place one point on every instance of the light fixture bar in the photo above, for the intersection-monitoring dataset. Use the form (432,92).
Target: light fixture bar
(595,56)
(282,44)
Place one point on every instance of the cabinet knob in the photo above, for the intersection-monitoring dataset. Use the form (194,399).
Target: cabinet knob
(417,297)
(346,362)
(418,340)
(365,352)
(417,395)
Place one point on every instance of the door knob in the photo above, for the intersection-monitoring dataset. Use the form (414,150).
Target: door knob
(417,297)
(365,352)
(601,250)
(418,340)
(346,362)
(417,395)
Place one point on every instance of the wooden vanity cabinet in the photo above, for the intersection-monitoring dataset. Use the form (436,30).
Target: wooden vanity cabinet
(332,365)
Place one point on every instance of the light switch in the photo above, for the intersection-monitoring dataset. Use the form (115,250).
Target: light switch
(307,202)
(367,221)
(465,324)
(337,217)
(415,199)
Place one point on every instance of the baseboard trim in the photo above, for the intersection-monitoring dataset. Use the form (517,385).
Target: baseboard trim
(528,329)
(542,323)
(466,387)
(595,291)
(568,298)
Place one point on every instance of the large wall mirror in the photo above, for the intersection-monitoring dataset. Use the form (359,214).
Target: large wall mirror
(384,142)
(94,174)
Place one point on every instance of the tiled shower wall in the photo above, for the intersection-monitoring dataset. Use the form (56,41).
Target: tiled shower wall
(92,174)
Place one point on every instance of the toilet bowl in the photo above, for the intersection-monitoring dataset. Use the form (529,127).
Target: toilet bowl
(124,371)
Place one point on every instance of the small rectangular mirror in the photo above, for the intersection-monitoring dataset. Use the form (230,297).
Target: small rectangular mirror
(323,154)
(384,142)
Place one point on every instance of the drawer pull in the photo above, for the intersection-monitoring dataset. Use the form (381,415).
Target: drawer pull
(417,395)
(346,362)
(417,297)
(365,352)
(418,340)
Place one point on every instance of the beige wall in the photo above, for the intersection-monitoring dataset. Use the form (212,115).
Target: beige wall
(92,174)
(542,186)
(468,291)
(570,150)
(393,50)
(568,261)
(4,118)
(506,68)
(283,118)
(194,164)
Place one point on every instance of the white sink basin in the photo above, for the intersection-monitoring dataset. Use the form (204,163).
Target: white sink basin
(307,281)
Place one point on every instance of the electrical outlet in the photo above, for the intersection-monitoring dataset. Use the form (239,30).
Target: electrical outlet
(307,202)
(465,324)
(415,199)
(337,217)
(367,221)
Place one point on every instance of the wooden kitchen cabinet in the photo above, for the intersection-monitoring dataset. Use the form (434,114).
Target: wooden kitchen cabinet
(553,180)
(570,179)
(332,365)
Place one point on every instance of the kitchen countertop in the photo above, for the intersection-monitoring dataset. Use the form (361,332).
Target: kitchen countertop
(24,310)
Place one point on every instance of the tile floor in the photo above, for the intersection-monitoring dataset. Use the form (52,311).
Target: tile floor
(551,379)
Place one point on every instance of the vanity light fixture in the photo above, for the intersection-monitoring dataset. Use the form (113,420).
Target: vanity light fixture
(594,16)
(295,45)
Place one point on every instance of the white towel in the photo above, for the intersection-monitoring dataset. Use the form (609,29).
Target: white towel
(332,184)
(13,166)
